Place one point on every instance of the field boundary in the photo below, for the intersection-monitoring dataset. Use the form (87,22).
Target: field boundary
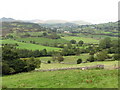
(81,68)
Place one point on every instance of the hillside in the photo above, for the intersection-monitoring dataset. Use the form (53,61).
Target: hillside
(9,27)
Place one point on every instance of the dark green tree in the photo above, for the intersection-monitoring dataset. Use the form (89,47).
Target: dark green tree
(73,41)
(79,61)
(80,43)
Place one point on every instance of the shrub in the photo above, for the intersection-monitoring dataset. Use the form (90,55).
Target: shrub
(101,56)
(79,61)
(91,58)
(80,43)
(116,56)
(73,42)
(48,61)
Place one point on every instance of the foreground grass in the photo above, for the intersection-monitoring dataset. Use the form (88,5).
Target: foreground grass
(63,79)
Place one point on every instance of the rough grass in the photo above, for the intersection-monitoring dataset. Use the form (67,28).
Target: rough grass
(63,79)
(28,46)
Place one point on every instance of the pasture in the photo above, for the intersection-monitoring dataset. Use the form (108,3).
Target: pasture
(85,39)
(68,59)
(28,46)
(42,40)
(63,79)
(108,65)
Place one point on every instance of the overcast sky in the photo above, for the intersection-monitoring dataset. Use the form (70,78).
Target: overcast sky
(94,11)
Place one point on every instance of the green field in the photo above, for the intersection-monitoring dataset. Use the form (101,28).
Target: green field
(28,46)
(43,40)
(86,40)
(108,65)
(63,79)
(68,59)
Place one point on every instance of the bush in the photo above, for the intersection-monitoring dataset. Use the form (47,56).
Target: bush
(17,65)
(116,56)
(80,43)
(101,56)
(79,61)
(32,64)
(73,42)
(91,58)
(5,68)
(60,58)
(48,61)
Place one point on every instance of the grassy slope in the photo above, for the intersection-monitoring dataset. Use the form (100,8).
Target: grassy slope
(28,45)
(63,79)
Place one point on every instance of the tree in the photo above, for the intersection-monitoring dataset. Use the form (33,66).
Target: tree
(9,53)
(44,52)
(91,58)
(80,43)
(79,61)
(116,56)
(32,63)
(105,43)
(12,62)
(91,52)
(69,46)
(48,61)
(73,41)
(101,56)
(60,58)
(61,46)
(44,34)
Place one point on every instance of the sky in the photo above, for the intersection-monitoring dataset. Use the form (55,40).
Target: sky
(94,11)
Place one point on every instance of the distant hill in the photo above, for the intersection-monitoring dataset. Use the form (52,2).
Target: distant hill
(55,21)
(4,19)
(80,22)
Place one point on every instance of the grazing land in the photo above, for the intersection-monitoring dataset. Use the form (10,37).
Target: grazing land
(63,79)
(28,46)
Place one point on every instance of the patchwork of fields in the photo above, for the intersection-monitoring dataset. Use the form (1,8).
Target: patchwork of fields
(79,46)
